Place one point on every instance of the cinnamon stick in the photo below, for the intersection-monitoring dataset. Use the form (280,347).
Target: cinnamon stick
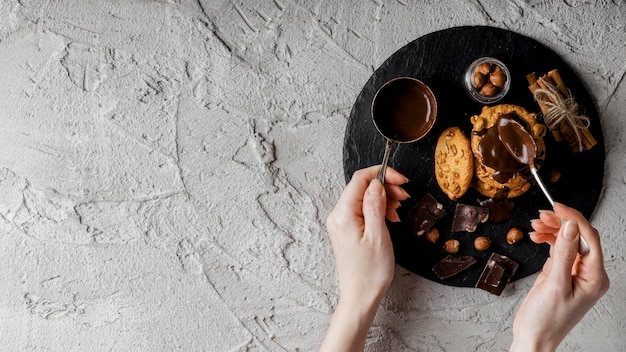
(564,130)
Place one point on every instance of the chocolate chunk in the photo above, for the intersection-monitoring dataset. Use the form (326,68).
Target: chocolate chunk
(425,213)
(500,209)
(497,274)
(423,222)
(450,266)
(467,217)
(429,203)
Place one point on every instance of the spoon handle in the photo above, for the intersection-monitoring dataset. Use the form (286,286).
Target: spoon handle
(383,167)
(583,247)
(533,170)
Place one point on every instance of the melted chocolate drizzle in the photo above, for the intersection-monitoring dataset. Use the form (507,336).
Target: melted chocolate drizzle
(495,154)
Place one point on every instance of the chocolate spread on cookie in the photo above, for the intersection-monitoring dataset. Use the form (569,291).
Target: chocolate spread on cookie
(495,154)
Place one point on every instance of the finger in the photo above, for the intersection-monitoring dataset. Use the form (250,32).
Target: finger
(550,218)
(588,232)
(540,226)
(352,195)
(539,237)
(374,208)
(392,206)
(392,215)
(566,213)
(564,253)
(392,176)
(396,192)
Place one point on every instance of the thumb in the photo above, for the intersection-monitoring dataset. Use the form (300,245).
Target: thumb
(564,254)
(374,206)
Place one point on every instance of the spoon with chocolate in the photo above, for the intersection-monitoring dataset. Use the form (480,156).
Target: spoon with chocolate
(521,145)
(403,111)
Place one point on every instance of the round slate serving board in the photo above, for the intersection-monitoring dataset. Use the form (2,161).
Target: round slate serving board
(439,59)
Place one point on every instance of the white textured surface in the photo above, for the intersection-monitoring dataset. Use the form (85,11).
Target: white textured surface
(166,168)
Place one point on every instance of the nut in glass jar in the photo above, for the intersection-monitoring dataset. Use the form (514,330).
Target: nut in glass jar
(487,80)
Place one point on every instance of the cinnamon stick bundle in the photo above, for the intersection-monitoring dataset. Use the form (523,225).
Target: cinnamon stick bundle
(561,111)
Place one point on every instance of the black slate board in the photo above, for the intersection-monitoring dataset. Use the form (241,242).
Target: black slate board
(439,59)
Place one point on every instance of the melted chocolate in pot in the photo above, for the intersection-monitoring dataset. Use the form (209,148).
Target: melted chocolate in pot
(403,110)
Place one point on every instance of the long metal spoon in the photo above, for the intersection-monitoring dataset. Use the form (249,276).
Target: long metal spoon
(521,145)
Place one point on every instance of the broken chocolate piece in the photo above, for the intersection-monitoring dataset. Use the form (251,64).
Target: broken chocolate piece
(500,209)
(451,265)
(425,213)
(467,217)
(497,274)
(423,222)
(429,203)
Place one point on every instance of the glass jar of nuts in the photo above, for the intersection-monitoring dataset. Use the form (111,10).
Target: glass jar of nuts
(487,80)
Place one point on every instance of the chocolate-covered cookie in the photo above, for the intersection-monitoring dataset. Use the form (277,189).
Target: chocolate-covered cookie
(497,173)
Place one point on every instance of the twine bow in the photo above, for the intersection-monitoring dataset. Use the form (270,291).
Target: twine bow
(561,109)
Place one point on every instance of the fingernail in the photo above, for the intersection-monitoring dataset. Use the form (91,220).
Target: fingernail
(376,188)
(570,230)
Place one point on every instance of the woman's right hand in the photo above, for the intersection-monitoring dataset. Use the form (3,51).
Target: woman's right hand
(568,286)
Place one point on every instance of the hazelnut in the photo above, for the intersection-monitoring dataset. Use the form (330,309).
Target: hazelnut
(487,79)
(497,77)
(554,176)
(433,235)
(514,235)
(451,246)
(484,68)
(478,79)
(489,90)
(482,243)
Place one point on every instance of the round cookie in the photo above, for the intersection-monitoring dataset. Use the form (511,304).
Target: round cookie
(518,184)
(454,164)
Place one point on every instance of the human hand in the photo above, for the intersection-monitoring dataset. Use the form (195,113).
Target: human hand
(568,286)
(364,253)
(359,234)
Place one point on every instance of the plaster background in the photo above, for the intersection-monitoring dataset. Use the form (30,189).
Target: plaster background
(166,168)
